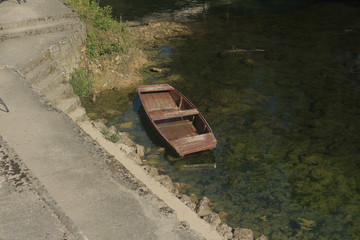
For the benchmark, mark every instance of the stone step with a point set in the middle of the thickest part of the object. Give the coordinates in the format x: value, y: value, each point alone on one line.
x: 60, y: 93
x: 36, y: 61
x: 25, y: 54
x: 69, y: 104
x: 50, y: 83
x: 41, y: 71
x: 78, y: 115
x: 39, y: 29
x: 37, y: 21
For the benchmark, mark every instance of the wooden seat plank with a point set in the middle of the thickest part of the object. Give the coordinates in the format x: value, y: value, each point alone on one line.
x: 172, y: 124
x: 178, y: 129
x: 160, y: 115
x: 155, y: 88
x: 193, y: 144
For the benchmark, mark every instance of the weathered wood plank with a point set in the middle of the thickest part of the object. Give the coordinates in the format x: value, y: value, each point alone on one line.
x: 164, y: 100
x: 178, y: 129
x: 155, y: 88
x: 149, y: 102
x: 160, y: 115
x: 193, y: 144
x: 167, y: 101
x: 157, y: 103
x: 172, y: 124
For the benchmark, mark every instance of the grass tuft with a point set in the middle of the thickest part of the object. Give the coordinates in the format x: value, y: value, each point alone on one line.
x: 101, y: 27
x: 81, y: 81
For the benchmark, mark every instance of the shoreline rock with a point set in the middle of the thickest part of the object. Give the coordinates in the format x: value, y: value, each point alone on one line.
x: 202, y: 207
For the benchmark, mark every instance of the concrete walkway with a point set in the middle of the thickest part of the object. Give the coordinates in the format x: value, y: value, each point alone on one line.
x: 84, y: 192
x: 74, y: 171
x: 27, y: 210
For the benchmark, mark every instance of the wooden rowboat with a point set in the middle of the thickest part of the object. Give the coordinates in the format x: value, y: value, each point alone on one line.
x: 176, y: 119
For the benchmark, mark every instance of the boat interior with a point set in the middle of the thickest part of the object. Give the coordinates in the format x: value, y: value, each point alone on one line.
x: 174, y: 115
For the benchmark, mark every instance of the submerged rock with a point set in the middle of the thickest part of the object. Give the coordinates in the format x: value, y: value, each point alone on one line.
x: 152, y: 162
x: 172, y: 158
x: 99, y: 124
x: 187, y: 200
x: 140, y: 150
x: 159, y: 70
x: 193, y: 198
x: 262, y: 237
x: 133, y: 156
x: 112, y: 130
x: 213, y: 219
x: 165, y: 180
x: 112, y: 112
x: 125, y: 148
x: 124, y: 138
x: 153, y: 157
x: 203, y: 208
x: 161, y: 150
x: 223, y: 215
x: 126, y: 125
x: 243, y: 234
x: 147, y: 150
x: 225, y: 231
x: 180, y: 186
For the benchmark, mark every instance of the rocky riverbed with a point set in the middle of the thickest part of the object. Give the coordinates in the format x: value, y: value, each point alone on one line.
x: 288, y: 117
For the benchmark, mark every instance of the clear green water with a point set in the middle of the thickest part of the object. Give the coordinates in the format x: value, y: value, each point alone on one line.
x: 286, y: 119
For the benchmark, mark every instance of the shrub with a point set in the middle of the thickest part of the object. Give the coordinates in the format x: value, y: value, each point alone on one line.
x: 81, y: 81
x: 113, y: 138
x: 101, y: 28
x: 103, y: 19
x: 92, y: 45
x: 97, y: 47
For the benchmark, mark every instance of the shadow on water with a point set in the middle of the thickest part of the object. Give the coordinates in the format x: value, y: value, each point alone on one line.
x: 286, y: 119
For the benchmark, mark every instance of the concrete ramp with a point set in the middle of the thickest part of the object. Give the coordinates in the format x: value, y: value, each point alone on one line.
x: 94, y: 191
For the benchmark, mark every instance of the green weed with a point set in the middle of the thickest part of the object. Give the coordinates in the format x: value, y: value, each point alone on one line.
x: 106, y: 36
x: 97, y: 47
x: 112, y: 138
x: 81, y: 81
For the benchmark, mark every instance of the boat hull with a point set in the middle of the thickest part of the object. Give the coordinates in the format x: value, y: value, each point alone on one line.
x: 176, y: 119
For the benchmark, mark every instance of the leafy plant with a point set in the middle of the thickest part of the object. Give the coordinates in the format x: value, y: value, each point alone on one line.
x: 106, y: 36
x: 97, y: 47
x: 81, y: 81
x: 112, y: 138
x: 105, y: 131
x: 103, y: 19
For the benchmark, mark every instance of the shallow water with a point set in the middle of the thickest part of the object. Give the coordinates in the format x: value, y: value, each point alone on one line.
x: 286, y: 118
